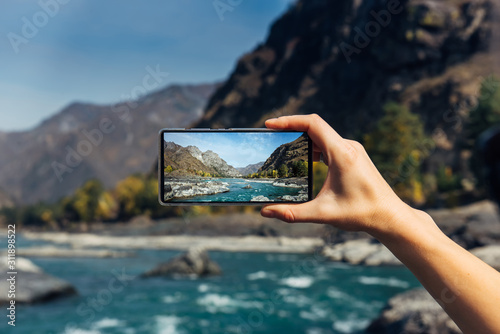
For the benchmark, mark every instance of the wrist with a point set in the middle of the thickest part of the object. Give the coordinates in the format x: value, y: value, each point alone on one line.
x: 403, y: 224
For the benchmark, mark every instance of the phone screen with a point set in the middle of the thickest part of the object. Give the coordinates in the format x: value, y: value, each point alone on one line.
x: 224, y: 167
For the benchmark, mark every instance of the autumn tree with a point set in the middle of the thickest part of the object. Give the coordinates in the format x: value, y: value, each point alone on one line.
x: 398, y: 145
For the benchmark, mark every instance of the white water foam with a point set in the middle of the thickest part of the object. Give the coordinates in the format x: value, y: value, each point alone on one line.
x: 168, y: 324
x: 350, y: 325
x: 80, y: 331
x: 172, y: 299
x: 300, y: 282
x: 215, y: 303
x: 258, y: 275
x: 203, y: 287
x: 108, y: 323
x: 391, y: 281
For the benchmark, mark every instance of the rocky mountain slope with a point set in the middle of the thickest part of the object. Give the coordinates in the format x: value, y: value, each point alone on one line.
x: 190, y: 160
x: 213, y: 160
x: 86, y: 141
x: 183, y: 159
x: 250, y: 169
x: 345, y: 59
x: 286, y: 155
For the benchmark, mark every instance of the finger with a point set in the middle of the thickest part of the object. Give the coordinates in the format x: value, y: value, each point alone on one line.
x: 316, y: 156
x: 292, y: 213
x: 318, y: 130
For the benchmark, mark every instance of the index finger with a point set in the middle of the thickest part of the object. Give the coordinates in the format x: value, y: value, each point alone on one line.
x: 321, y: 133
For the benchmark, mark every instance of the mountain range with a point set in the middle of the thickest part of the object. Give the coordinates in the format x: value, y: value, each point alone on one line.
x: 190, y: 160
x: 85, y: 141
x: 430, y: 56
x: 250, y: 169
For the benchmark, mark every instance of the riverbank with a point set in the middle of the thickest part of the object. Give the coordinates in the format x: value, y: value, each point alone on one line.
x: 180, y: 242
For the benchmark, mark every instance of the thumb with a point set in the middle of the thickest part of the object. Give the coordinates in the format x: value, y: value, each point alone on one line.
x: 292, y: 213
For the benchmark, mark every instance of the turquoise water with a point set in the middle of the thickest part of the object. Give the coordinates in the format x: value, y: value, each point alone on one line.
x: 258, y: 293
x: 238, y: 194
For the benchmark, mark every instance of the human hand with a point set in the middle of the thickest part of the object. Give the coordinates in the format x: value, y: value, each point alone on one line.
x: 354, y: 197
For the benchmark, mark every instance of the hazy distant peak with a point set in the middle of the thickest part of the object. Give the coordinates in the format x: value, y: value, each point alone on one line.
x: 75, y: 134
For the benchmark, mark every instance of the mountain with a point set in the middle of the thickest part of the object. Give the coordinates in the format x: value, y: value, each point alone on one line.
x: 190, y: 160
x: 5, y: 202
x: 213, y: 160
x: 86, y: 141
x: 287, y: 154
x: 250, y: 169
x: 182, y: 160
x: 321, y: 57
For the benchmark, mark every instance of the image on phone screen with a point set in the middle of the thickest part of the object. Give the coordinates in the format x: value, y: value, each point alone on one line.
x: 234, y: 167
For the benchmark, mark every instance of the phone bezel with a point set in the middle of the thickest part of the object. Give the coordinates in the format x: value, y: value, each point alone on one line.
x: 161, y: 175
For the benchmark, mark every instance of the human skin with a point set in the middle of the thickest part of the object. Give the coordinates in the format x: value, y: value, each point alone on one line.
x: 355, y: 197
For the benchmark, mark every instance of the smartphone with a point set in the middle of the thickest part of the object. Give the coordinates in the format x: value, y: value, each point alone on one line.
x: 234, y: 167
x: 489, y: 147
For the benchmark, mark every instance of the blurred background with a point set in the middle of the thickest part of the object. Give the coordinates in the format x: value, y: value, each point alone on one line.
x: 86, y: 87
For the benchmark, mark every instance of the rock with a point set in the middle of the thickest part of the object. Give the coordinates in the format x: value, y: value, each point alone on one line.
x: 32, y: 284
x: 265, y: 230
x: 298, y: 198
x: 489, y: 254
x: 413, y: 312
x: 294, y: 182
x: 247, y: 187
x: 382, y: 257
x: 195, y: 262
x: 470, y: 226
x: 187, y: 188
x: 361, y: 252
x: 260, y: 198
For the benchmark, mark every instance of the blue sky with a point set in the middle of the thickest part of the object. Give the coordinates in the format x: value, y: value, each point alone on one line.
x: 237, y: 149
x: 98, y: 51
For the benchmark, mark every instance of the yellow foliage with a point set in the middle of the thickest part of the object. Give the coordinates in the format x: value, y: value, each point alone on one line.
x: 47, y: 216
x: 320, y: 171
x: 448, y: 172
x: 106, y: 207
x: 200, y: 210
x: 418, y: 193
x: 127, y: 190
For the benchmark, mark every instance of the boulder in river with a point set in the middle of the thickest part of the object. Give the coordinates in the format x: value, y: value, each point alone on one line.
x: 413, y: 312
x: 361, y: 252
x: 194, y: 262
x: 260, y: 198
x: 32, y: 285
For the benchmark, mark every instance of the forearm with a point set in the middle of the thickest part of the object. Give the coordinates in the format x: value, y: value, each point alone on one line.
x: 467, y: 288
